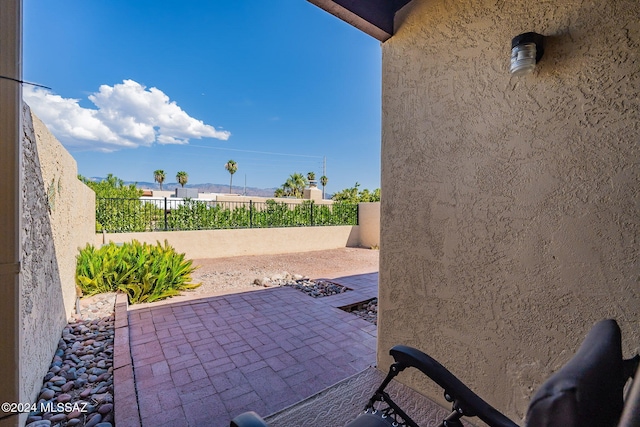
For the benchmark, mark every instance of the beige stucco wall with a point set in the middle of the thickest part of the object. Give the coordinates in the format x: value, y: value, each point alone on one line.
x: 58, y: 218
x: 70, y: 204
x: 369, y: 222
x: 510, y: 218
x: 253, y: 241
x: 313, y: 193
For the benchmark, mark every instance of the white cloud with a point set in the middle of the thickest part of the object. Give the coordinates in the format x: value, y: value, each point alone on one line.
x: 127, y: 115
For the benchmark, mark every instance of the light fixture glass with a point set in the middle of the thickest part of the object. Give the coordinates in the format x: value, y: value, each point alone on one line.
x: 526, y: 51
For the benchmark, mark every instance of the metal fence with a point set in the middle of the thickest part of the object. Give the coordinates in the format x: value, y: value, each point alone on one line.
x: 164, y: 214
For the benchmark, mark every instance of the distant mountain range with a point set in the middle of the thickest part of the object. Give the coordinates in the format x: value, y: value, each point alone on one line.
x: 202, y: 188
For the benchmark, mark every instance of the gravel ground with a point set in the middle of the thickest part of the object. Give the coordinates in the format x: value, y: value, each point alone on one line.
x: 228, y: 275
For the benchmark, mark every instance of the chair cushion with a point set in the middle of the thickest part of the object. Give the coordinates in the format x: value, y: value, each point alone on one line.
x: 588, y: 390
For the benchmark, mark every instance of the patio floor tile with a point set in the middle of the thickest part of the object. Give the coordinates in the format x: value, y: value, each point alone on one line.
x: 207, y: 360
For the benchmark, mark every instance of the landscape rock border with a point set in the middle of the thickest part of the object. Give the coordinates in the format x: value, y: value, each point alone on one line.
x: 280, y: 279
x: 314, y: 288
x: 318, y: 288
x: 368, y: 310
x: 78, y: 389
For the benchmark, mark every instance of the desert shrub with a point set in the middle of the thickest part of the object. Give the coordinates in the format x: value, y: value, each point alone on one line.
x: 146, y: 273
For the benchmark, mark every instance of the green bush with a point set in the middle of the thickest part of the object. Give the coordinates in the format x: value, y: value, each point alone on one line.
x: 355, y: 195
x: 147, y: 273
x: 131, y: 215
x: 119, y: 208
x: 127, y: 215
x: 198, y: 215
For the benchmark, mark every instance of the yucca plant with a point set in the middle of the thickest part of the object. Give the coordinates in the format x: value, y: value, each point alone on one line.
x: 146, y: 273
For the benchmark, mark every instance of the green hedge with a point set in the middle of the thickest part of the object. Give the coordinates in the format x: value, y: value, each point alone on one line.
x: 129, y: 215
x: 197, y: 215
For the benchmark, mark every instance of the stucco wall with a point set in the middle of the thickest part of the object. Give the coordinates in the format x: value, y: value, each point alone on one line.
x: 253, y: 241
x: 369, y: 222
x: 510, y: 211
x: 58, y: 218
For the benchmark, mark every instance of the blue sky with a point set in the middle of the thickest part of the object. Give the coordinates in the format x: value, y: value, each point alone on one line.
x: 140, y: 85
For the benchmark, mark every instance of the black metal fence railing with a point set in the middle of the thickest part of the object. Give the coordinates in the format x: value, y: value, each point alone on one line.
x: 164, y: 214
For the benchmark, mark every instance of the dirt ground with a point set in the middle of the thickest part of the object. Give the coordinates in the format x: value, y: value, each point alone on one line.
x: 227, y: 275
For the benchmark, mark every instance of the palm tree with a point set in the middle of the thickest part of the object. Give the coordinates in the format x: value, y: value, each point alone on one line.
x: 311, y: 177
x: 296, y: 184
x: 182, y: 177
x: 292, y: 187
x: 232, y: 167
x: 287, y: 190
x: 323, y: 182
x: 158, y: 176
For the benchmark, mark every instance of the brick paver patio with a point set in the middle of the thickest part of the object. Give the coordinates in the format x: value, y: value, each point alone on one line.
x: 202, y: 362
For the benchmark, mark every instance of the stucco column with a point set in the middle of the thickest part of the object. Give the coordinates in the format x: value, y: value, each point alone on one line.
x: 10, y: 209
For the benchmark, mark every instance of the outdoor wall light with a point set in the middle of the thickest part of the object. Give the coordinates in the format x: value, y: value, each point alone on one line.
x: 526, y: 51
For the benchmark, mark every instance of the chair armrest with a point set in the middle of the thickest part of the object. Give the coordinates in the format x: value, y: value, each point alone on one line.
x: 465, y: 400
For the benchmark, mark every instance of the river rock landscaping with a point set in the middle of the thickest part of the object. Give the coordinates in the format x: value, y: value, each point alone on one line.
x: 314, y: 288
x: 368, y: 310
x: 78, y: 389
x: 318, y: 288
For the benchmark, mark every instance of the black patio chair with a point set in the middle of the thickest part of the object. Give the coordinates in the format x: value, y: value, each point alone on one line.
x: 586, y: 392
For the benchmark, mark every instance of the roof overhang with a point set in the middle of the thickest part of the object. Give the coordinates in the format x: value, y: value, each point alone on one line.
x: 374, y: 17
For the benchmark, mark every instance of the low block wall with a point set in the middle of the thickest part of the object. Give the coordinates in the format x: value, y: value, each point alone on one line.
x: 369, y: 220
x: 253, y: 241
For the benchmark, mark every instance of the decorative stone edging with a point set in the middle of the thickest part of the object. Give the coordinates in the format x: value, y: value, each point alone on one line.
x: 78, y: 388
